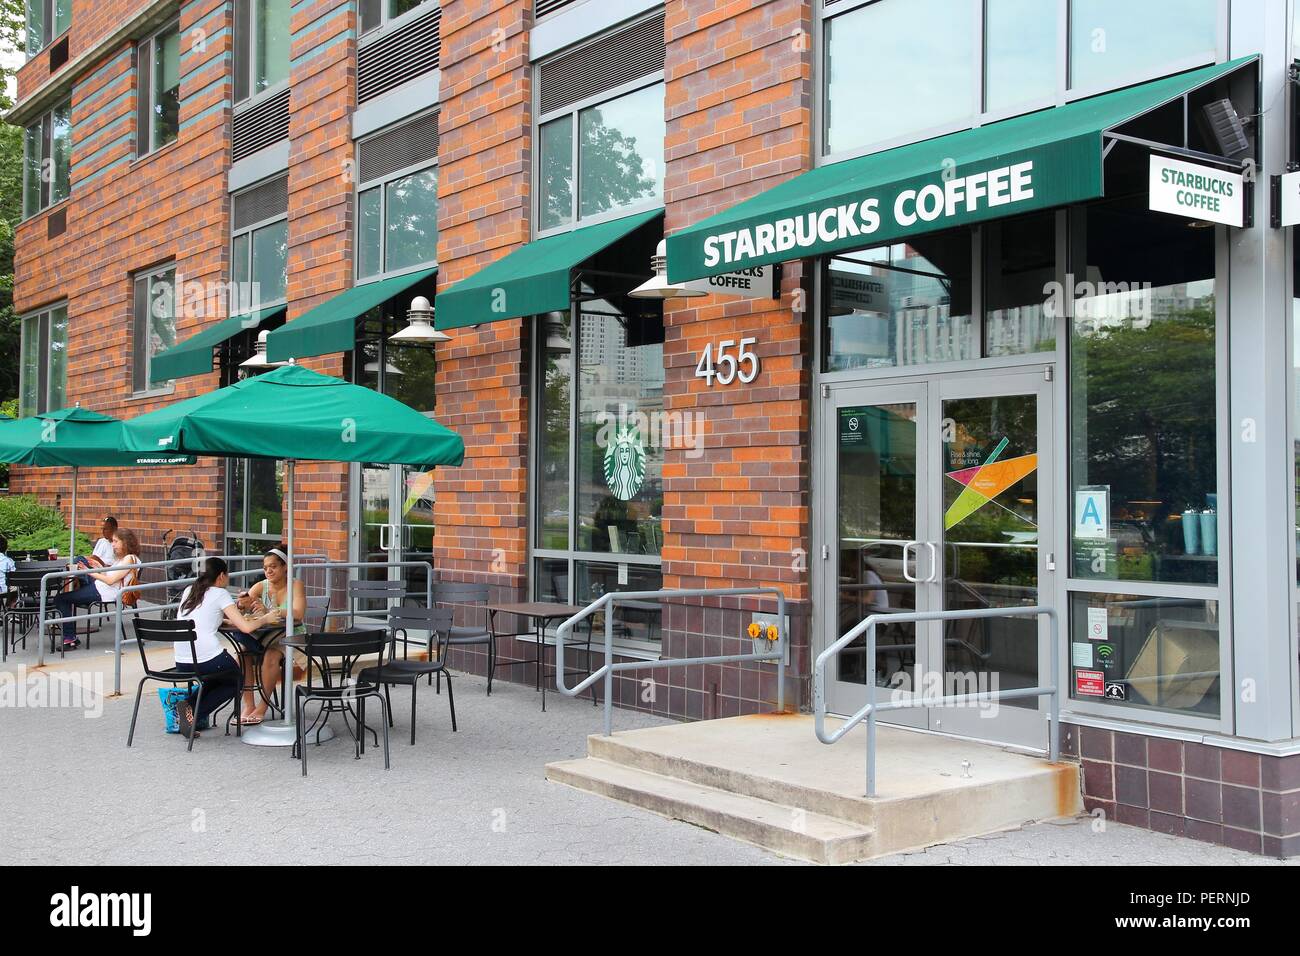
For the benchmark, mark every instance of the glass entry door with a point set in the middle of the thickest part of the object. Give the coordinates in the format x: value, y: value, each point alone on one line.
x: 940, y: 489
x: 397, y: 523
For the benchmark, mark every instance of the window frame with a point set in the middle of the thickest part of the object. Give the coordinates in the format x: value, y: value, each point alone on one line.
x: 978, y: 116
x: 42, y: 317
x: 649, y: 650
x: 245, y: 15
x: 141, y: 386
x: 146, y: 94
x: 389, y: 22
x: 45, y: 200
x: 235, y: 308
x: 574, y: 112
x: 49, y: 8
x: 381, y: 183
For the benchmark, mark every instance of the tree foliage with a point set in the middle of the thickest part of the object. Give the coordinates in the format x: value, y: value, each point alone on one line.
x: 12, y: 44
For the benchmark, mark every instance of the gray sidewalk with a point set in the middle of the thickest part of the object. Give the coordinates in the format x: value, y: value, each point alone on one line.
x: 74, y: 794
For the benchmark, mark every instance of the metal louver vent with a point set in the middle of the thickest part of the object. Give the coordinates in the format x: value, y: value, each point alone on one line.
x: 262, y: 126
x: 414, y: 142
x: 542, y: 7
x: 628, y: 54
x: 399, y: 55
x: 264, y: 201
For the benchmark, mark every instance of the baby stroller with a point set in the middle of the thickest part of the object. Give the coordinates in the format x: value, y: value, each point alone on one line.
x: 177, y: 549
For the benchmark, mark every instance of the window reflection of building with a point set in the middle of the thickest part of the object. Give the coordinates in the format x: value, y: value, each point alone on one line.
x: 599, y: 469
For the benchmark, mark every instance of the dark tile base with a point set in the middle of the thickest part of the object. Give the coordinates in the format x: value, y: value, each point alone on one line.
x: 686, y: 693
x: 1227, y: 797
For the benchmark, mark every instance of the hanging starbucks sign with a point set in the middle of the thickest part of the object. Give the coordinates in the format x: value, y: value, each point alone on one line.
x: 1195, y: 191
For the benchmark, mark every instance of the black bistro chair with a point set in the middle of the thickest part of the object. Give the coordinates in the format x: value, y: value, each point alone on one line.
x: 20, y: 619
x: 402, y: 620
x: 475, y: 631
x: 337, y: 655
x: 170, y: 632
x: 383, y: 593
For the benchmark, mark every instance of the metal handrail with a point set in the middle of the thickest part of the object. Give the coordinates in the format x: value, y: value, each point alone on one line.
x: 46, y: 579
x: 607, y: 670
x: 121, y: 609
x: 869, y: 711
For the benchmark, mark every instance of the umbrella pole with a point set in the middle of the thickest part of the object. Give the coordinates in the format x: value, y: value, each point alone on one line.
x: 72, y: 535
x: 284, y: 733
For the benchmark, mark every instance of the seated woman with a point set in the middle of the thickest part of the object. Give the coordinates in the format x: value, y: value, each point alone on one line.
x: 104, y: 585
x: 209, y: 605
x: 269, y: 596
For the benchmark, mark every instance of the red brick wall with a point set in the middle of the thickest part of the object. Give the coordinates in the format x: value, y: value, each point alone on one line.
x: 483, y: 195
x: 90, y: 22
x: 321, y: 227
x: 739, y: 105
x: 171, y: 204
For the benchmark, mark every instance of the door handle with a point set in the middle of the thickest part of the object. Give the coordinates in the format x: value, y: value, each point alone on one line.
x: 910, y: 578
x: 383, y: 541
x: 934, y: 563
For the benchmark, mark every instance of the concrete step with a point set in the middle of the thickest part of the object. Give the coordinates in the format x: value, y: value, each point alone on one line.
x: 783, y: 829
x: 931, y: 788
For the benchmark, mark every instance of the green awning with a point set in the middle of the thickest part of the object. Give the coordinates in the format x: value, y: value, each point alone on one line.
x: 194, y: 355
x: 1041, y: 160
x: 331, y: 326
x: 534, y: 278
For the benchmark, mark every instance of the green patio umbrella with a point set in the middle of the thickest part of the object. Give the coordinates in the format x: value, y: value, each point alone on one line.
x: 75, y: 437
x: 293, y: 413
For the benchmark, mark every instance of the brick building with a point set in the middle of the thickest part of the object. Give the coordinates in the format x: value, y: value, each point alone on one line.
x: 999, y: 363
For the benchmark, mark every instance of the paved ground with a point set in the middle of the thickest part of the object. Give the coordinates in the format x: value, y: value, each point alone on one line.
x: 75, y: 794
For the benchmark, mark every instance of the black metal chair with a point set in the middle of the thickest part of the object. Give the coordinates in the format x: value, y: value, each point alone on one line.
x: 25, y: 614
x: 385, y: 592
x: 452, y: 593
x: 170, y: 632
x: 401, y: 620
x: 338, y: 692
x: 317, y: 614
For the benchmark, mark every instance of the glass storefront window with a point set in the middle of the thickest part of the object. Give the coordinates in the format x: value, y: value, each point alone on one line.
x: 620, y: 389
x: 1143, y: 399
x: 555, y: 348
x: 1020, y: 256
x: 254, y: 504
x: 901, y: 304
x: 411, y: 220
x: 1145, y: 652
x: 369, y: 224
x: 270, y: 263
x: 397, y: 223
x: 874, y: 91
x: 619, y: 157
x: 620, y: 153
x: 1113, y: 42
x: 555, y: 206
x: 633, y: 621
x: 1020, y: 59
x: 599, y: 469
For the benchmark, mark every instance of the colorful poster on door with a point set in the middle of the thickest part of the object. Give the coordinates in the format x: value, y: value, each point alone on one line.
x: 985, y: 482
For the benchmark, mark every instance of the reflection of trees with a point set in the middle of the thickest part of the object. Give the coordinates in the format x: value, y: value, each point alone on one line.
x: 412, y: 213
x: 613, y: 172
x: 1150, y: 401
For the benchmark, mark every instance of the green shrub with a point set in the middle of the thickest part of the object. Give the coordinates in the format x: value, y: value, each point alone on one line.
x: 23, y: 514
x: 45, y: 538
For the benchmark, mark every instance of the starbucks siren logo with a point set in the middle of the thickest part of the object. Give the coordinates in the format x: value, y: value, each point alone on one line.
x: 625, y: 462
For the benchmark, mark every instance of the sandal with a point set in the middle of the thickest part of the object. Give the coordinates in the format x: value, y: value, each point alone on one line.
x: 251, y: 720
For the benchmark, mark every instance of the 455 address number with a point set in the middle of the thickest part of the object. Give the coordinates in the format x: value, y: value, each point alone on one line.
x: 719, y: 365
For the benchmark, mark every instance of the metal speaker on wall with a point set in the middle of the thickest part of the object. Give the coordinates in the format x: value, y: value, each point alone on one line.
x: 1226, y: 128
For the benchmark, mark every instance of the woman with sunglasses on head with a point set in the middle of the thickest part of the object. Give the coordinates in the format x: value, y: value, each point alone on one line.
x: 269, y: 597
